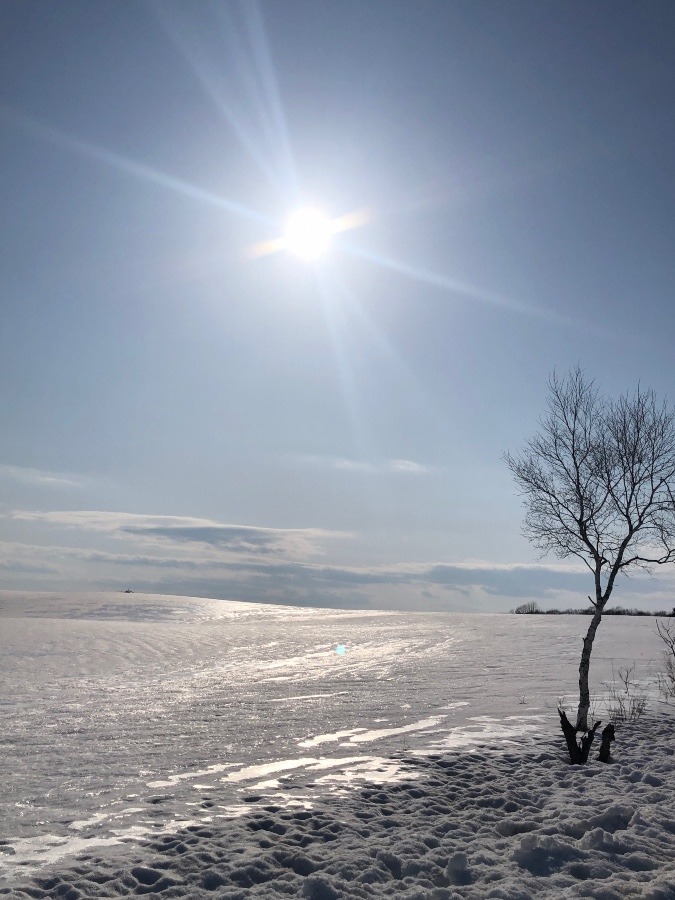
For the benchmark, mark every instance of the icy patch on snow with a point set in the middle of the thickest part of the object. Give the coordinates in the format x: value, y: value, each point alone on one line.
x: 185, y: 776
x: 249, y: 773
x: 379, y: 733
x: 363, y: 735
x: 327, y: 738
x: 490, y: 731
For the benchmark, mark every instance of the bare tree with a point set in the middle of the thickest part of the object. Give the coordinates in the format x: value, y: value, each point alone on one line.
x: 527, y: 609
x: 598, y: 482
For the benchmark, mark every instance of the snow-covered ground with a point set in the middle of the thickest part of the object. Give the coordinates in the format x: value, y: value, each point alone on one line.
x: 197, y: 748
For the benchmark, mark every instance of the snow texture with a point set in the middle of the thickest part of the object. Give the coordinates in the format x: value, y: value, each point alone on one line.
x: 189, y: 748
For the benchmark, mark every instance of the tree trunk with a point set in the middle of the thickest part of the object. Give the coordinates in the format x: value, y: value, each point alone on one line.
x: 584, y: 666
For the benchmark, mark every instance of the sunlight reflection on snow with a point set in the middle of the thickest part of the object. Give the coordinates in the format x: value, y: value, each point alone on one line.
x: 488, y: 730
x: 174, y: 779
x: 362, y: 735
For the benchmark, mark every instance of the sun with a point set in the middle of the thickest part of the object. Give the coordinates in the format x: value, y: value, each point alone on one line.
x: 308, y: 233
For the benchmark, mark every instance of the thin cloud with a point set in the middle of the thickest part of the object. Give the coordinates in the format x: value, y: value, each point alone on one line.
x: 22, y: 568
x: 350, y: 465
x: 366, y: 467
x: 102, y: 520
x: 38, y: 477
x: 407, y: 467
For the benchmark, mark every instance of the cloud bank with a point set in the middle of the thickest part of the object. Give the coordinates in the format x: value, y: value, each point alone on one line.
x: 186, y: 530
x: 201, y: 557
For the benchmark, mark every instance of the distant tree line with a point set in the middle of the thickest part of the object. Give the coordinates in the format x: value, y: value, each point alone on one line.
x: 531, y: 608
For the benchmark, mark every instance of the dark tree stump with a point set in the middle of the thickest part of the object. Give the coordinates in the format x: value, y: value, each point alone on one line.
x: 578, y: 751
x: 605, y: 746
x: 586, y: 742
x: 570, y: 736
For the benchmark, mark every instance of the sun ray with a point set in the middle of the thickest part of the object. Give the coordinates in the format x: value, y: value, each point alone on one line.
x: 215, y: 83
x: 387, y: 350
x: 461, y: 289
x: 130, y: 166
x: 262, y: 52
x: 330, y: 303
x: 246, y: 49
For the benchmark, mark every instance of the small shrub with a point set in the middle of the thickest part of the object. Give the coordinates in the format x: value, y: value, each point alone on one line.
x: 626, y: 707
x: 626, y: 703
x: 666, y: 680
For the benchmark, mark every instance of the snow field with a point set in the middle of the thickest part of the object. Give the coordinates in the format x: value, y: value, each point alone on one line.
x: 190, y: 748
x: 511, y: 825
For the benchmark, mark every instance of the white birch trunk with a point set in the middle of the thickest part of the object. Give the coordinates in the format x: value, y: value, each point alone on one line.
x: 584, y: 667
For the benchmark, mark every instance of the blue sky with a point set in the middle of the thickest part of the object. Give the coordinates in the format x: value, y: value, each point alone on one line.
x: 182, y: 415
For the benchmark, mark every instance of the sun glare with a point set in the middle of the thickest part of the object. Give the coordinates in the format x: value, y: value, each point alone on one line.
x: 308, y: 233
